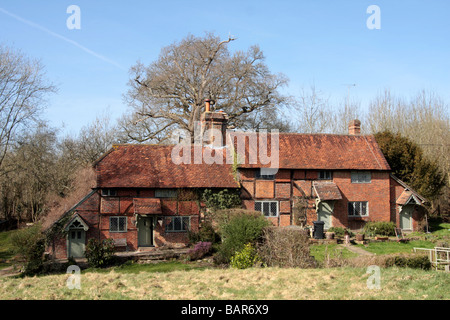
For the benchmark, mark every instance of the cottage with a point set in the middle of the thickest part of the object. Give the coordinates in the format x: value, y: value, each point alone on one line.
x: 145, y: 198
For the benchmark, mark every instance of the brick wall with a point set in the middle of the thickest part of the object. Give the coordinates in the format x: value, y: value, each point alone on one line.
x: 396, y: 189
x: 376, y: 193
x: 96, y: 212
x: 289, y: 184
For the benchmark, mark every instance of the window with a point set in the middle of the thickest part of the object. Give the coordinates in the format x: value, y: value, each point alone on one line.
x: 361, y: 176
x: 325, y: 175
x: 118, y: 224
x: 165, y: 193
x: 109, y: 192
x: 267, y: 208
x: 178, y: 224
x: 358, y: 209
x: 264, y: 174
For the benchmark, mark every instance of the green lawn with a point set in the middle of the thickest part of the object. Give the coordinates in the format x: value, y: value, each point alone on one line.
x: 6, y: 250
x: 390, y: 247
x: 320, y: 251
x: 439, y: 228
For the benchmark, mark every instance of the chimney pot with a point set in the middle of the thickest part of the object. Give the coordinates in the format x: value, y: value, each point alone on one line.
x: 207, y: 105
x: 354, y: 127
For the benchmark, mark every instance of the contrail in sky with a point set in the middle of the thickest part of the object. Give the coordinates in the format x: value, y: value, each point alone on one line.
x: 56, y: 35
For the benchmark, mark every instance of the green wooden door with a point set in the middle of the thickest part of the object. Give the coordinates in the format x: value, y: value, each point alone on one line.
x: 145, y: 231
x: 324, y: 212
x: 77, y: 243
x: 406, y: 217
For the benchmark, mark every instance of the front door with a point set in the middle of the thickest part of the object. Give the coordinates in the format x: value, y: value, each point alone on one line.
x: 406, y: 217
x: 324, y: 213
x: 145, y: 231
x: 77, y: 238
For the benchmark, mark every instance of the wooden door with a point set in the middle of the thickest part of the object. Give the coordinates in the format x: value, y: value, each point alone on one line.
x: 77, y: 243
x: 145, y: 231
x: 406, y: 217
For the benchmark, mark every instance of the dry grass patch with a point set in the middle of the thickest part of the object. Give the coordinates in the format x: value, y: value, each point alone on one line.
x: 252, y: 284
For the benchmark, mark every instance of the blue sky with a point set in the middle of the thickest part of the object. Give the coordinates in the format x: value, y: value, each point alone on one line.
x: 322, y: 42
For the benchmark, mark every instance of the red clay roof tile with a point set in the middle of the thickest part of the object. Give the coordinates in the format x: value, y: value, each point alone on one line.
x: 151, y: 166
x: 319, y: 151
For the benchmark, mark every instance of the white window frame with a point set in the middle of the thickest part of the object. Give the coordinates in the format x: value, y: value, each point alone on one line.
x: 118, y: 224
x: 165, y: 193
x: 188, y: 226
x: 360, y: 204
x: 264, y: 174
x: 361, y: 176
x: 327, y: 173
x: 262, y: 207
x: 109, y: 193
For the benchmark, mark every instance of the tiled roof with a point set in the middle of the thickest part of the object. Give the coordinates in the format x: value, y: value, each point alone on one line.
x: 407, y: 193
x: 145, y: 166
x: 326, y: 190
x: 318, y: 151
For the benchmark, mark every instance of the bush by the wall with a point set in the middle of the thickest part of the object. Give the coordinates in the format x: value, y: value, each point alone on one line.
x: 381, y: 228
x: 285, y: 247
x: 415, y: 262
x: 239, y: 230
x: 206, y: 233
x: 221, y: 200
x: 246, y: 258
x: 340, y: 231
x: 100, y: 254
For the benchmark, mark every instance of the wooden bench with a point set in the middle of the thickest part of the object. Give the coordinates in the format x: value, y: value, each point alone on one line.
x: 120, y: 243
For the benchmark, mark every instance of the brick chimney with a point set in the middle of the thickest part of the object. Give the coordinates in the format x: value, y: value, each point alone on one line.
x: 213, y: 126
x: 354, y: 127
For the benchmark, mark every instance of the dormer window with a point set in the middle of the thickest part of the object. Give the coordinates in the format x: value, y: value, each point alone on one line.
x: 109, y: 193
x: 361, y: 177
x: 264, y: 174
x: 325, y: 175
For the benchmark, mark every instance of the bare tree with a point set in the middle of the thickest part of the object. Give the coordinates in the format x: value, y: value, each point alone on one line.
x: 22, y: 91
x: 96, y: 138
x: 347, y: 110
x: 171, y: 91
x: 424, y: 119
x: 313, y: 111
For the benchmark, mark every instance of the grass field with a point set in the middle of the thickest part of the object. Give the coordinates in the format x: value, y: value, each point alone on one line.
x: 251, y: 284
x: 390, y: 247
x: 321, y: 251
x: 6, y: 251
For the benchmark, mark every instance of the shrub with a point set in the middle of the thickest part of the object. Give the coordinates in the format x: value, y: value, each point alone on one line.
x: 100, y: 254
x: 243, y: 227
x: 246, y: 258
x: 29, y: 244
x: 340, y: 231
x: 381, y: 228
x: 221, y: 218
x: 206, y: 233
x: 285, y: 247
x: 221, y: 200
x: 200, y: 250
x: 415, y: 262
